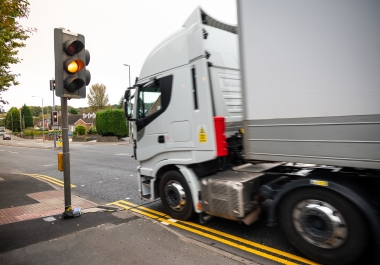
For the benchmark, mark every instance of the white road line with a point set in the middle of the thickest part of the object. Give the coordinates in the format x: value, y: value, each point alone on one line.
x: 13, y: 152
x: 49, y: 165
x: 123, y: 154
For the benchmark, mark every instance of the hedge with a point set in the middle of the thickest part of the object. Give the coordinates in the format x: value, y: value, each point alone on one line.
x: 111, y: 123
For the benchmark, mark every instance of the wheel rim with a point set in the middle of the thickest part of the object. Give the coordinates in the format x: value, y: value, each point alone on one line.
x: 175, y: 195
x: 320, y: 223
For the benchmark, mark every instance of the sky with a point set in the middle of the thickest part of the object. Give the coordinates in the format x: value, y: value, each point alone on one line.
x: 117, y: 32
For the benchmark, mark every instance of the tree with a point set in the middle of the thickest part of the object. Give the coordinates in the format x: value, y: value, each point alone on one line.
x: 28, y: 118
x: 12, y: 121
x: 12, y: 35
x: 72, y: 110
x: 121, y: 102
x: 36, y: 110
x: 97, y: 97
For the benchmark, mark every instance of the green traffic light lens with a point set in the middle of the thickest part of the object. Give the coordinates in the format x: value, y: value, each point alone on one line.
x: 74, y: 84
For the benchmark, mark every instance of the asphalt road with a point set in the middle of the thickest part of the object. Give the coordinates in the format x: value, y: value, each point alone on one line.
x: 107, y: 174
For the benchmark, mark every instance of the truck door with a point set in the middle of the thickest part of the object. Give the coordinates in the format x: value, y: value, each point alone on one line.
x: 152, y: 100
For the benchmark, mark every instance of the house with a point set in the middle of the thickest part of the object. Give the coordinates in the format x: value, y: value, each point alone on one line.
x: 87, y: 120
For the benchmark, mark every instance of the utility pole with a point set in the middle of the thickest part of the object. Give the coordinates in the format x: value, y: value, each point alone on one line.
x: 129, y: 125
x: 20, y: 124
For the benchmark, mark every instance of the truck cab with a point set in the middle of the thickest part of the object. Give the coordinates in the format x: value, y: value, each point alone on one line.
x: 174, y: 120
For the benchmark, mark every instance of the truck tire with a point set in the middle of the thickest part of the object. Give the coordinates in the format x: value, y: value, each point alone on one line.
x: 176, y: 196
x: 324, y: 225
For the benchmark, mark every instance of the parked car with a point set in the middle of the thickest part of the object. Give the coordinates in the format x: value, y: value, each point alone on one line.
x: 6, y: 137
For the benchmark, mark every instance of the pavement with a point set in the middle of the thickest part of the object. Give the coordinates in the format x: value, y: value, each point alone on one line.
x: 49, y: 144
x: 32, y: 230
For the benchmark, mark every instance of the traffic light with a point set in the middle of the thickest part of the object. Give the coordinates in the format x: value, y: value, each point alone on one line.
x: 52, y: 85
x: 54, y: 117
x: 71, y: 59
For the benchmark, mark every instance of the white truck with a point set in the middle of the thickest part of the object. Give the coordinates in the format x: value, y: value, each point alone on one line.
x: 285, y: 106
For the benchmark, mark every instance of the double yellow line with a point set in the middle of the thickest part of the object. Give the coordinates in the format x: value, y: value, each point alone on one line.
x: 50, y: 179
x: 225, y: 238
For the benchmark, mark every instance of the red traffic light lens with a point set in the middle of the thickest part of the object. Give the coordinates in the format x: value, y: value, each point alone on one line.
x: 73, y: 47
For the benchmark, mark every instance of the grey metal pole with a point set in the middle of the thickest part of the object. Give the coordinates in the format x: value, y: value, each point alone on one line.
x: 55, y: 141
x: 129, y: 79
x: 66, y: 155
x: 43, y: 121
x: 129, y: 127
x: 20, y: 124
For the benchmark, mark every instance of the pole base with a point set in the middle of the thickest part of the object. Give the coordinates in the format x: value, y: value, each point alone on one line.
x: 70, y: 213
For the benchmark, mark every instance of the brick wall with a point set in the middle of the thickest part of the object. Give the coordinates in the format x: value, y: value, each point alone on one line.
x: 80, y: 122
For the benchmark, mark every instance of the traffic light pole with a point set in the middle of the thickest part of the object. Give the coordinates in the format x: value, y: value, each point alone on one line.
x: 66, y: 156
x: 55, y: 140
x: 71, y: 79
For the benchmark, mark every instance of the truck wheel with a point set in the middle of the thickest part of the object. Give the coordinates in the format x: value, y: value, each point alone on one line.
x: 324, y: 225
x: 175, y: 196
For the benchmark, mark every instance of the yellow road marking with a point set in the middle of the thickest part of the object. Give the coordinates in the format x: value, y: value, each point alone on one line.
x: 134, y: 207
x: 50, y: 179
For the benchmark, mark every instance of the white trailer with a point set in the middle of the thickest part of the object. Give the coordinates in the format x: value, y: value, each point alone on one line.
x: 283, y: 107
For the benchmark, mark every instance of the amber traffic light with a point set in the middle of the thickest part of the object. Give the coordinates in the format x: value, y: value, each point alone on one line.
x: 71, y: 59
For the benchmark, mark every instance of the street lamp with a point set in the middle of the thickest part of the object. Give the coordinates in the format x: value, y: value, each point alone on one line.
x: 43, y: 128
x: 129, y: 74
x: 129, y: 79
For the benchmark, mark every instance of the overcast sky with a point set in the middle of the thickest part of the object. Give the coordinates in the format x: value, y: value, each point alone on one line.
x: 117, y: 32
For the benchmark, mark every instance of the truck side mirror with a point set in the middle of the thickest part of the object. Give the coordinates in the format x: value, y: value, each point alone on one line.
x: 127, y: 95
x: 128, y: 111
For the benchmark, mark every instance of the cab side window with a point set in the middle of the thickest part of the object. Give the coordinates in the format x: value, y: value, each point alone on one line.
x: 149, y: 100
x: 153, y: 99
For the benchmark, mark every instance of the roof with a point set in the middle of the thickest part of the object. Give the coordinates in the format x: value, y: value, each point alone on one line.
x: 74, y: 118
x: 187, y: 45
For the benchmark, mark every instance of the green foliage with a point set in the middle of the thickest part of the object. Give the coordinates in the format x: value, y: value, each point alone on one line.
x: 92, y: 130
x: 28, y: 132
x: 121, y: 102
x: 73, y: 110
x: 80, y: 130
x: 36, y: 110
x: 13, y: 119
x: 111, y: 123
x: 27, y: 116
x: 12, y: 37
x: 57, y: 132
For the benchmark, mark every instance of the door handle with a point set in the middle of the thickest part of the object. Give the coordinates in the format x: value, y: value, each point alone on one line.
x: 161, y: 139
